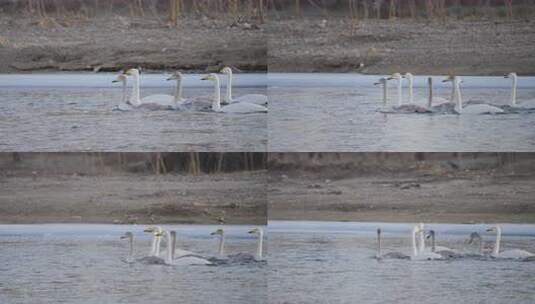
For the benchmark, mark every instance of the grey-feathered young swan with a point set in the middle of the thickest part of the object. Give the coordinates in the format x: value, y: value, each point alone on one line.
x: 238, y: 107
x: 445, y: 252
x: 223, y: 258
x: 189, y: 259
x: 258, y: 99
x: 124, y: 104
x: 391, y: 255
x: 145, y: 260
x: 405, y: 108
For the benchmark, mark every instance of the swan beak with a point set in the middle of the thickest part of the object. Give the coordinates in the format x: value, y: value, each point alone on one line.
x: 207, y: 77
x: 114, y: 81
x: 213, y: 233
x: 505, y: 76
x: 170, y: 78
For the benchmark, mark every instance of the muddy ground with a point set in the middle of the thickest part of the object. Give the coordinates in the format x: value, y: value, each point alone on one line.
x: 466, y: 196
x: 281, y: 44
x: 235, y: 198
x: 111, y: 42
x: 387, y: 46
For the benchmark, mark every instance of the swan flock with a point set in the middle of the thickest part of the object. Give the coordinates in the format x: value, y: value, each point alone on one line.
x: 177, y: 256
x: 452, y: 105
x: 245, y: 104
x: 419, y: 251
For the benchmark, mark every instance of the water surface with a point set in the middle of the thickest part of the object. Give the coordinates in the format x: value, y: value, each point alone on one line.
x: 331, y: 262
x: 82, y: 264
x: 73, y: 112
x: 339, y: 112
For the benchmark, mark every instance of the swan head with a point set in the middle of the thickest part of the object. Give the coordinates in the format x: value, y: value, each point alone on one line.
x: 226, y: 71
x: 381, y: 81
x: 176, y: 76
x: 131, y: 72
x: 119, y: 78
x: 154, y: 229
x: 408, y: 76
x: 396, y: 76
x: 511, y: 75
x: 256, y: 231
x: 473, y: 237
x: 379, y: 231
x: 430, y: 234
x: 494, y: 229
x: 218, y: 232
x: 211, y: 77
x: 453, y: 78
x: 127, y: 235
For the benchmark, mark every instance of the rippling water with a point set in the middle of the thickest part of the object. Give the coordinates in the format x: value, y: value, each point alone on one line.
x: 338, y: 112
x: 73, y: 112
x: 82, y: 264
x: 312, y: 262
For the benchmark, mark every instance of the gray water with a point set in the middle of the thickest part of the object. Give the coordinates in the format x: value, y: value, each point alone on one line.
x: 82, y: 264
x: 339, y: 112
x: 330, y: 262
x: 73, y: 112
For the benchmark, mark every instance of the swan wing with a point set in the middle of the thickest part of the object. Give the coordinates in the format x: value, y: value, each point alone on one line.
x: 411, y: 108
x: 243, y: 108
x: 258, y: 99
x: 159, y: 99
x: 515, y: 254
x: 481, y: 109
x: 151, y: 260
x: 191, y: 260
x: 395, y: 255
x: 122, y: 107
x: 528, y: 104
x: 179, y: 253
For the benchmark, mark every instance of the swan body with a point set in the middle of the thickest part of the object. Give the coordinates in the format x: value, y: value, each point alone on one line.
x: 232, y: 258
x: 445, y: 252
x: 507, y: 254
x: 124, y: 105
x: 258, y: 99
x: 144, y: 260
x: 191, y: 259
x: 151, y: 102
x: 410, y: 107
x: 259, y: 245
x: 239, y: 107
x: 469, y: 109
x: 177, y: 252
x: 417, y: 253
x: 525, y: 105
x: 389, y: 255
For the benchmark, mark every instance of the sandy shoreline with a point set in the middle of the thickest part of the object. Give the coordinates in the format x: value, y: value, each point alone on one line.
x: 237, y: 198
x: 465, y: 197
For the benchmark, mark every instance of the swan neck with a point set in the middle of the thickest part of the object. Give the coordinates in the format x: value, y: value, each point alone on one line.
x: 228, y: 97
x: 178, y: 91
x: 378, y: 245
x: 123, y: 98
x: 221, y: 250
x: 414, y: 248
x: 131, y: 250
x: 158, y: 243
x: 430, y: 99
x: 259, y: 246
x: 498, y: 240
x: 153, y: 246
x: 135, y: 90
x: 421, y: 240
x: 216, y: 104
x: 513, y: 92
x: 385, y: 94
x: 399, y: 92
x: 458, y: 96
x: 433, y: 248
x: 411, y: 97
x: 173, y: 245
x: 169, y: 251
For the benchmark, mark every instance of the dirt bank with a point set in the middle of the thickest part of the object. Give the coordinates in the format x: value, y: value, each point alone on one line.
x: 316, y: 44
x: 111, y: 42
x: 236, y: 198
x: 462, y: 196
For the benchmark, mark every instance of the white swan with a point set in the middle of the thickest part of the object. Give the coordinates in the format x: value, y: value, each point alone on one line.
x: 130, y: 257
x: 418, y: 255
x: 527, y: 104
x: 156, y: 239
x: 124, y: 105
x: 258, y: 99
x: 152, y: 102
x: 390, y: 255
x: 177, y: 252
x: 405, y: 108
x: 182, y: 260
x: 260, y: 240
x: 239, y: 107
x: 473, y: 108
x: 506, y: 254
